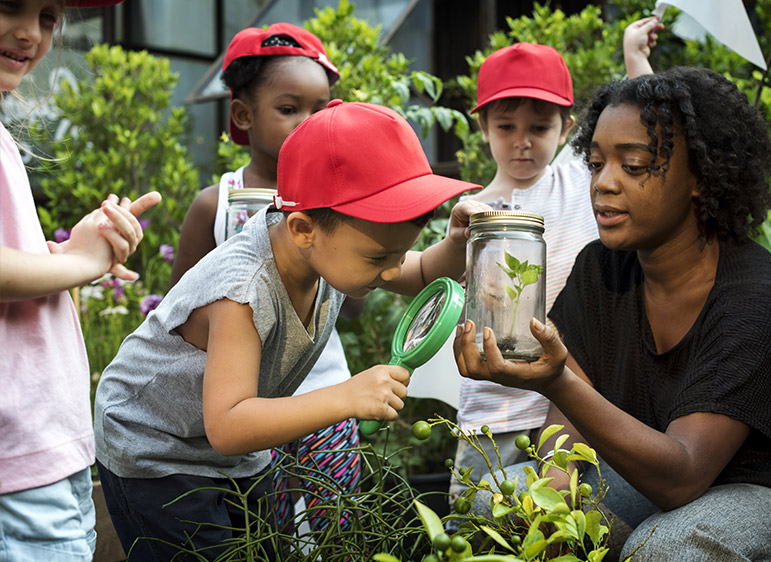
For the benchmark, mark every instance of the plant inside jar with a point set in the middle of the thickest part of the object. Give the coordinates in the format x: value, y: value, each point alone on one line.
x: 521, y: 275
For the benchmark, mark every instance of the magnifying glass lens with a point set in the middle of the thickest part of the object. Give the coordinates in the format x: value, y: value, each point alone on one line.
x: 423, y: 321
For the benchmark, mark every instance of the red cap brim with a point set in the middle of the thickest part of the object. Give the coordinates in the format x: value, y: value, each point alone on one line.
x: 533, y: 93
x: 407, y: 200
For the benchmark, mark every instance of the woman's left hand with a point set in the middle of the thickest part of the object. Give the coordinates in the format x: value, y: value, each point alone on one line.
x: 536, y: 375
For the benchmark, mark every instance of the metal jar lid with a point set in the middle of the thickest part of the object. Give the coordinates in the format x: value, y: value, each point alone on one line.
x: 259, y: 195
x: 507, y: 219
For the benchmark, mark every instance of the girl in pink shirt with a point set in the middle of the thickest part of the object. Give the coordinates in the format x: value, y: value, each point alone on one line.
x: 46, y: 446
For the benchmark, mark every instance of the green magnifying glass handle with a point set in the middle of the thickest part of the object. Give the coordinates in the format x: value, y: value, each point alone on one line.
x: 368, y: 427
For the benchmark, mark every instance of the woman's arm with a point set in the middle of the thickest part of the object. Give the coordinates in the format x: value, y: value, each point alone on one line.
x: 670, y: 468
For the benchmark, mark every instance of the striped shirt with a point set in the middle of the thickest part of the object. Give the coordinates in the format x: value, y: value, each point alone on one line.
x: 561, y: 196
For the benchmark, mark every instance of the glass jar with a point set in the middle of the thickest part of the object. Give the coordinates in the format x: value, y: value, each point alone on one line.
x: 242, y: 204
x: 506, y: 279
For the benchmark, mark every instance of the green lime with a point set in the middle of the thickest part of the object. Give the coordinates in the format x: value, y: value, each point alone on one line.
x: 560, y: 508
x: 421, y: 430
x: 522, y: 441
x: 449, y: 463
x: 458, y: 544
x: 431, y: 558
x: 462, y: 505
x: 441, y: 542
x: 585, y: 489
x: 508, y: 487
x: 485, y: 429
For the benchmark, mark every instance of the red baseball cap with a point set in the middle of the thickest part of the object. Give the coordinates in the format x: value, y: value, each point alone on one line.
x: 251, y: 42
x: 91, y: 3
x: 362, y: 160
x: 524, y: 70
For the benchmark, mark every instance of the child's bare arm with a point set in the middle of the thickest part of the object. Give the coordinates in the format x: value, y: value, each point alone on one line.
x: 99, y: 243
x: 639, y: 38
x: 238, y: 422
x: 446, y: 258
x: 196, y: 238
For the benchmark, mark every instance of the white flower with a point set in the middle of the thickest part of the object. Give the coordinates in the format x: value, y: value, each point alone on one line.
x: 95, y: 292
x: 111, y: 310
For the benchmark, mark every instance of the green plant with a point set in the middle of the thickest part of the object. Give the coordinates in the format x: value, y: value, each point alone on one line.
x: 120, y: 136
x: 380, y: 517
x: 539, y: 524
x: 521, y: 275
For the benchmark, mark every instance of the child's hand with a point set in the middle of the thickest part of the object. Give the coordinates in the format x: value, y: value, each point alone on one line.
x: 123, y: 230
x: 537, y: 375
x: 85, y: 244
x: 458, y: 233
x: 639, y: 38
x: 107, y: 236
x: 378, y: 393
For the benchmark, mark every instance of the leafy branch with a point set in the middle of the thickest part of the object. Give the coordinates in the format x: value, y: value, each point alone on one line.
x: 521, y: 275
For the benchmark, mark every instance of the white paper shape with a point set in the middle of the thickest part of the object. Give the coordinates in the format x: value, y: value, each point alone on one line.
x: 726, y: 20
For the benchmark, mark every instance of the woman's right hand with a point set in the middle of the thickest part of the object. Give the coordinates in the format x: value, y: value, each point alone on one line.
x: 536, y: 375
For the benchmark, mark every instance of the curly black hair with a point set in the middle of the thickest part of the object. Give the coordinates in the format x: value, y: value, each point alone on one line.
x: 729, y: 149
x: 244, y: 74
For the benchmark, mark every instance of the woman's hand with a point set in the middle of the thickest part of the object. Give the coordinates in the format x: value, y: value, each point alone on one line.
x: 536, y: 375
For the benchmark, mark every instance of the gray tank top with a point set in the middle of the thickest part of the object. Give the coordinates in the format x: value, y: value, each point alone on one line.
x: 148, y: 413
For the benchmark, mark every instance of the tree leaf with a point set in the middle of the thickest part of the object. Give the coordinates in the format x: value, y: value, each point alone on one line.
x: 547, y: 433
x: 431, y: 521
x: 496, y: 536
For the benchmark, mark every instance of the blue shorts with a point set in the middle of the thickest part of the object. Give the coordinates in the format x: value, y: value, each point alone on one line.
x: 52, y: 523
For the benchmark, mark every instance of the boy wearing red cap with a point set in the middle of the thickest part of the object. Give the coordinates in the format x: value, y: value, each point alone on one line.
x: 278, y: 77
x: 525, y: 98
x: 204, y: 386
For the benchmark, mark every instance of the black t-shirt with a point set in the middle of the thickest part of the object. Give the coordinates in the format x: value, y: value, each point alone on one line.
x: 722, y: 365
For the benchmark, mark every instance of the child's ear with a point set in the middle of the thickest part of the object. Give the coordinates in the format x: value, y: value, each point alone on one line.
x: 241, y: 114
x: 483, y: 127
x: 566, y: 129
x: 302, y: 229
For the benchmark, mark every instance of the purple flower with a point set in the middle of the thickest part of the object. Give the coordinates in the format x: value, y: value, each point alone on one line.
x: 144, y: 223
x: 117, y: 285
x: 62, y: 234
x: 150, y: 302
x: 167, y: 253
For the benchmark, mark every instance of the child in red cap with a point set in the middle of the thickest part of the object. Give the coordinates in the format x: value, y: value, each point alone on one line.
x: 47, y: 441
x: 203, y: 388
x: 278, y: 77
x: 524, y: 103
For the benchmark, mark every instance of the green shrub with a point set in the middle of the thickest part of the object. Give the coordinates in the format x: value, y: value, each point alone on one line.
x: 121, y: 137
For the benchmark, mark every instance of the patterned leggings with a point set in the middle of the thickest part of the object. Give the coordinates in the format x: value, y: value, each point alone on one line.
x: 330, y: 466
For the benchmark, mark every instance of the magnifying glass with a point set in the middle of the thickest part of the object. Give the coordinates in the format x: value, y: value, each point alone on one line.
x: 426, y: 324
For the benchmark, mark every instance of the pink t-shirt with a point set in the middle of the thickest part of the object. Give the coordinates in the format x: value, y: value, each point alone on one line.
x: 45, y: 413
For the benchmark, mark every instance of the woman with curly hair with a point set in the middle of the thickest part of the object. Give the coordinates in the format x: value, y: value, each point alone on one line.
x: 665, y: 367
